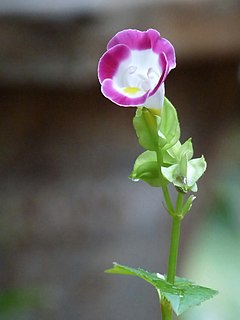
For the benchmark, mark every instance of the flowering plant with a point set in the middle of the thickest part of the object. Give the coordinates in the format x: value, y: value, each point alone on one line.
x: 132, y: 73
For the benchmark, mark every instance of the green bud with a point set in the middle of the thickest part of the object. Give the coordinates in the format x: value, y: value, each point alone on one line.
x: 185, y: 174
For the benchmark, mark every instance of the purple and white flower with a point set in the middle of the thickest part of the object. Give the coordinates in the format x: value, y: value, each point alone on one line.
x: 133, y: 69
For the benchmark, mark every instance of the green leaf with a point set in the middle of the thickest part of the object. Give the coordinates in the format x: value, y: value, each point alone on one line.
x: 169, y: 129
x: 146, y: 125
x: 182, y: 295
x: 152, y: 278
x: 146, y: 168
x: 191, y: 295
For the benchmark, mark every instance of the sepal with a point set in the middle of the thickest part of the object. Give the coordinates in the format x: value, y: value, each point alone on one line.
x: 157, y: 131
x: 146, y: 168
x: 169, y: 129
x: 146, y: 125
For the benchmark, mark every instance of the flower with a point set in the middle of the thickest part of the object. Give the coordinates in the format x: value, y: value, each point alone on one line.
x: 133, y: 69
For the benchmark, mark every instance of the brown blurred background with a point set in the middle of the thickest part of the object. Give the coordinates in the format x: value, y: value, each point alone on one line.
x: 67, y: 207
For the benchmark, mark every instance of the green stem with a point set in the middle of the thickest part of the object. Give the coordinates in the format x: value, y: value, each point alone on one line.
x: 172, y: 261
x: 166, y: 309
x: 167, y: 199
x: 175, y: 236
x: 173, y: 254
x: 179, y: 203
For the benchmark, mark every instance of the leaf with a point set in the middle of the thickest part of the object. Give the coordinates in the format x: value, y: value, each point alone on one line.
x: 152, y: 278
x: 146, y: 125
x: 146, y: 168
x: 182, y: 295
x: 191, y: 295
x: 169, y: 129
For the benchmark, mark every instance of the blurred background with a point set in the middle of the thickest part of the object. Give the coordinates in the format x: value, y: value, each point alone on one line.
x: 67, y: 208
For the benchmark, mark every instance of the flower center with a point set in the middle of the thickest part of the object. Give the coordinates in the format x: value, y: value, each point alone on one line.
x: 136, y: 80
x: 131, y: 90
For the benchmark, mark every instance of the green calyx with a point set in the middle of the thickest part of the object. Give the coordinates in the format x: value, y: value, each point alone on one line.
x: 166, y: 159
x: 157, y: 131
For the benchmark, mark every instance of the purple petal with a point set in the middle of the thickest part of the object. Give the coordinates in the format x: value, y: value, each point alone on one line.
x: 159, y: 45
x: 165, y: 46
x: 110, y: 61
x: 134, y: 39
x: 117, y: 97
x: 142, y: 40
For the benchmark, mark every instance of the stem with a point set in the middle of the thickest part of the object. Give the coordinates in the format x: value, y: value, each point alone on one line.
x: 179, y: 203
x: 167, y: 199
x: 173, y: 254
x: 172, y: 261
x: 166, y: 309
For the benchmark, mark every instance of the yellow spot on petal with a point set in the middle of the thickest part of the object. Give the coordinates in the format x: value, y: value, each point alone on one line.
x: 131, y: 90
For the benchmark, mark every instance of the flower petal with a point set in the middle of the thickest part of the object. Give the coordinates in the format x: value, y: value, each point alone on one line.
x: 156, y: 101
x: 133, y: 70
x: 111, y: 60
x: 142, y: 40
x: 165, y: 69
x: 119, y: 98
x: 134, y: 39
x: 160, y: 44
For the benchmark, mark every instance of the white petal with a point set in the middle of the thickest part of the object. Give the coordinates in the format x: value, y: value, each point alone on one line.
x: 141, y: 67
x: 156, y: 101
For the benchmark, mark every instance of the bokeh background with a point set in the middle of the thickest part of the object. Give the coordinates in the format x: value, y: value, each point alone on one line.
x: 67, y: 208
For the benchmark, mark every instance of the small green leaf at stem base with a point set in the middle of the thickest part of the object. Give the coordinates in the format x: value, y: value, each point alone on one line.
x: 182, y: 295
